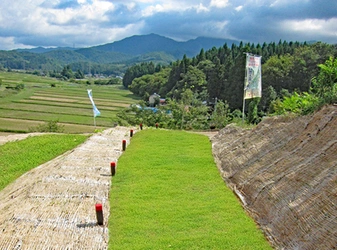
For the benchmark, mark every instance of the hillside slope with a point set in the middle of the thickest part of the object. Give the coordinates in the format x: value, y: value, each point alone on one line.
x: 285, y: 173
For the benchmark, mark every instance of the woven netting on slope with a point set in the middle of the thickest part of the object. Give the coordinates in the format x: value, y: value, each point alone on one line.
x: 285, y: 172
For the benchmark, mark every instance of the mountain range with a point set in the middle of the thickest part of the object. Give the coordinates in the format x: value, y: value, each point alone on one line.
x: 143, y: 44
x: 134, y: 49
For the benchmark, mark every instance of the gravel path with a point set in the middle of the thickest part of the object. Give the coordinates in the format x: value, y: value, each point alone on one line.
x: 53, y: 206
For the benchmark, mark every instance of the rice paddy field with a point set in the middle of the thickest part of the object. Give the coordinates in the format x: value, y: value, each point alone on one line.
x: 68, y: 103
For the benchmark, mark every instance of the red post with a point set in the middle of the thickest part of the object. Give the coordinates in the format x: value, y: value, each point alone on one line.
x: 113, y: 168
x: 131, y: 132
x: 124, y: 145
x: 99, y: 213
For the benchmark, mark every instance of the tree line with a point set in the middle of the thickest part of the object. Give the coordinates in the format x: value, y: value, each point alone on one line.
x: 219, y: 73
x: 288, y: 68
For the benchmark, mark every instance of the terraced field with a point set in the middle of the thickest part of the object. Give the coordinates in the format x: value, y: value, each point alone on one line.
x: 68, y: 103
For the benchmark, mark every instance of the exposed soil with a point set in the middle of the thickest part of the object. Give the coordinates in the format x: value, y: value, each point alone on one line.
x: 53, y: 205
x: 285, y: 173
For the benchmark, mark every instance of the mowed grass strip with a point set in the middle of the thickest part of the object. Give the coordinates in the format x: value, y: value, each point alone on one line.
x: 24, y: 126
x: 62, y: 118
x: 68, y: 103
x: 168, y: 193
x: 72, y: 105
x: 16, y: 158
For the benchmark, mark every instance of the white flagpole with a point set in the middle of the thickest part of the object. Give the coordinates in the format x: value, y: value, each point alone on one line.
x: 94, y: 119
x: 244, y: 89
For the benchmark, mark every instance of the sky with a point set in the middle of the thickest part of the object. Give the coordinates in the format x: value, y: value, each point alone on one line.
x: 86, y: 23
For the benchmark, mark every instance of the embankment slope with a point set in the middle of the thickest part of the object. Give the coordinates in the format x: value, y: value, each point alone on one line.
x: 285, y: 173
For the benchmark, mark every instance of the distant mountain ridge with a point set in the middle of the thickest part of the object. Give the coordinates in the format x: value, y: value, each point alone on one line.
x: 142, y: 44
x: 117, y: 55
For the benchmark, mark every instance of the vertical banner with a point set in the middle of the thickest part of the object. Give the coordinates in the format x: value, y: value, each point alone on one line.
x: 253, y: 83
x: 96, y: 111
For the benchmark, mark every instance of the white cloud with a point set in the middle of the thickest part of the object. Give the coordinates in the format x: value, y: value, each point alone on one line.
x: 8, y: 43
x: 201, y: 8
x: 88, y: 22
x: 151, y: 10
x: 320, y: 27
x: 219, y: 3
x: 279, y: 3
x: 239, y: 8
x: 173, y: 6
x: 87, y: 12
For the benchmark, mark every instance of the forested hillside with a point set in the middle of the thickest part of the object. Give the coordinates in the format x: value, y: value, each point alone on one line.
x: 219, y: 72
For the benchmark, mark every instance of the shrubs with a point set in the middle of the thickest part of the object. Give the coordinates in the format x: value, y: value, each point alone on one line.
x: 324, y: 85
x: 50, y: 126
x: 323, y: 91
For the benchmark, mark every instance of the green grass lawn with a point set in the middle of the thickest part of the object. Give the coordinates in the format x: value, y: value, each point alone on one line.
x: 16, y: 158
x: 168, y: 194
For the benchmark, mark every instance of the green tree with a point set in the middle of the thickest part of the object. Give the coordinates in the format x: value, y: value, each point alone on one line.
x: 79, y: 74
x: 276, y: 72
x: 325, y: 84
x: 50, y: 126
x: 253, y: 116
x: 221, y: 115
x: 67, y: 72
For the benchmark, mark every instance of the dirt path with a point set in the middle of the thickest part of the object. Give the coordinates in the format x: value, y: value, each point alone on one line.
x: 53, y: 206
x: 16, y: 137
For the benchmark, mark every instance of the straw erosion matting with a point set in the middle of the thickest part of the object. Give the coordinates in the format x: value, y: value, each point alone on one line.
x: 53, y: 206
x: 285, y: 172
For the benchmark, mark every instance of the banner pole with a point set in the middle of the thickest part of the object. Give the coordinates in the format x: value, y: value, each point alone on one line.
x: 244, y: 89
x: 243, y: 111
x: 95, y: 121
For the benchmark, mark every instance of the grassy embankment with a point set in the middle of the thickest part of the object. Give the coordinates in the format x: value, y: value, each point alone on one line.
x: 18, y: 157
x: 68, y: 103
x: 167, y: 193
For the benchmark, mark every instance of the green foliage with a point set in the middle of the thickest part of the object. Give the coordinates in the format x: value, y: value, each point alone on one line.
x: 79, y: 74
x: 300, y: 104
x: 146, y: 85
x: 325, y: 84
x: 253, y: 116
x: 138, y: 70
x: 221, y: 72
x: 270, y: 95
x: 19, y: 86
x: 67, y: 72
x: 18, y: 157
x: 50, y: 126
x: 168, y: 193
x: 324, y: 91
x: 112, y: 81
x: 221, y: 115
x: 276, y: 72
x: 188, y: 113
